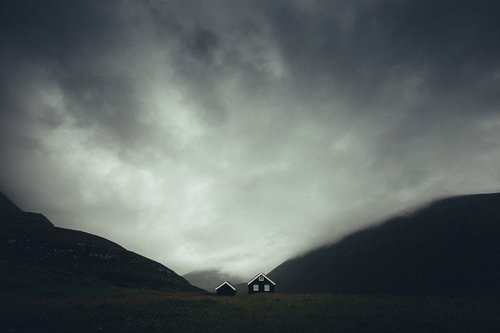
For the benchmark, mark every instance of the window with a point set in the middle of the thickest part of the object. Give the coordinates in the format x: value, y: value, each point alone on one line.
x: 255, y: 287
x: 267, y: 287
x: 261, y: 278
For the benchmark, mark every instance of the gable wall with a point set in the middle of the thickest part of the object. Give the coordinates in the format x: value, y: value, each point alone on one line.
x: 261, y: 286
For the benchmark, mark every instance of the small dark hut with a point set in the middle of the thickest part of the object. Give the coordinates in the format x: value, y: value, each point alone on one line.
x: 225, y: 289
x: 261, y: 284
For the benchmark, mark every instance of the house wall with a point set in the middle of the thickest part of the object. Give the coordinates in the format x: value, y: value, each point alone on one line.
x: 261, y: 286
x: 225, y: 290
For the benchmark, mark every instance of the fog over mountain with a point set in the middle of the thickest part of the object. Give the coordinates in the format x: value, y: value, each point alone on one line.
x: 35, y: 254
x: 236, y: 134
x: 449, y: 247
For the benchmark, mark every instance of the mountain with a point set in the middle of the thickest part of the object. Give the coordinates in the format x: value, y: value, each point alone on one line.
x: 450, y: 247
x: 33, y: 252
x: 210, y: 279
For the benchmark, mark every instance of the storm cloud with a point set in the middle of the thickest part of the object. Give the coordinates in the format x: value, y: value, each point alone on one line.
x: 236, y: 134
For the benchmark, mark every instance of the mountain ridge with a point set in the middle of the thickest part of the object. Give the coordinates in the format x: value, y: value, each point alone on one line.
x: 450, y: 246
x: 35, y: 252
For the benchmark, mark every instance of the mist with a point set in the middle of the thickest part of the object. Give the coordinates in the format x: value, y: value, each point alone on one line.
x: 234, y: 135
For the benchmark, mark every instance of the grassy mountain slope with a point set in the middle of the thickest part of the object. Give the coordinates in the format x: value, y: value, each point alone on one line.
x: 450, y: 247
x: 33, y: 252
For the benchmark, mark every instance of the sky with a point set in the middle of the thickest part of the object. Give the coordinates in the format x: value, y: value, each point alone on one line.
x: 237, y: 134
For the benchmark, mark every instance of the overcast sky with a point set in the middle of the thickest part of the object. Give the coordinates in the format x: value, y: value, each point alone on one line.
x: 237, y: 134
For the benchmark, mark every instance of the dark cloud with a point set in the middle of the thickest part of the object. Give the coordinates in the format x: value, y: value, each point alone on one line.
x: 360, y: 46
x: 202, y: 43
x: 286, y: 124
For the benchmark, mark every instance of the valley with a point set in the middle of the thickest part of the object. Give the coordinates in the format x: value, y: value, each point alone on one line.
x: 132, y: 310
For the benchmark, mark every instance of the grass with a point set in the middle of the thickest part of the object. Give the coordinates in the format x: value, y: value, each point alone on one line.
x: 131, y: 310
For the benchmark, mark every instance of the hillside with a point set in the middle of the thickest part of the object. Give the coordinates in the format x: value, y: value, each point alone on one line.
x: 450, y: 247
x: 33, y: 252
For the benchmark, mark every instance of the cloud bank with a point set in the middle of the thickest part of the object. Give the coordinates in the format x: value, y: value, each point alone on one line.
x: 236, y: 134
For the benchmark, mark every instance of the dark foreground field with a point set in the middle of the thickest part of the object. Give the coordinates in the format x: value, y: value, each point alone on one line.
x: 125, y: 310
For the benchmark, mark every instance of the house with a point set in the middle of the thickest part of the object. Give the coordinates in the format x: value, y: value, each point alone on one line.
x: 261, y: 284
x: 225, y: 289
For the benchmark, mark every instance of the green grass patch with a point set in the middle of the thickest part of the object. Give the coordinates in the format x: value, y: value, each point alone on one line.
x: 133, y: 310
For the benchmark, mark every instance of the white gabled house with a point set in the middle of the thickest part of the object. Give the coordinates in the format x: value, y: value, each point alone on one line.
x: 225, y: 289
x: 261, y: 284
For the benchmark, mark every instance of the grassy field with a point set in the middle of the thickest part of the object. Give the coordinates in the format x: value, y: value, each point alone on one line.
x: 125, y: 310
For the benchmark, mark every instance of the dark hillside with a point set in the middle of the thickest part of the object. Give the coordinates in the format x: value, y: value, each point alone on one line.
x: 34, y: 252
x: 6, y: 206
x: 449, y: 247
